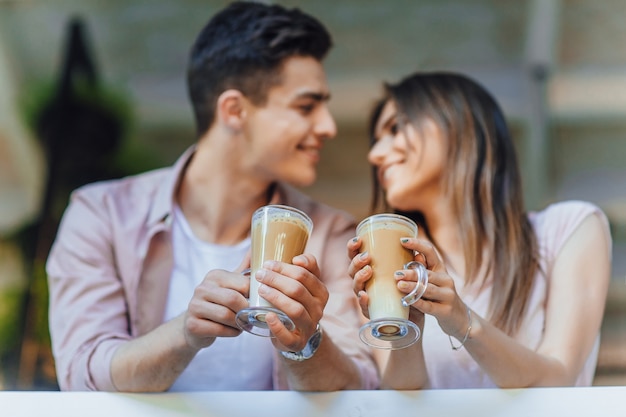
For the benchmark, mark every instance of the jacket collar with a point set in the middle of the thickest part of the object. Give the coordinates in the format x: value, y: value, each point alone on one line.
x: 165, y: 198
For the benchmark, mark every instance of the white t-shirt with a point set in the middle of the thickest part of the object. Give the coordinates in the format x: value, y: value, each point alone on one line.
x: 230, y: 363
x: 457, y: 369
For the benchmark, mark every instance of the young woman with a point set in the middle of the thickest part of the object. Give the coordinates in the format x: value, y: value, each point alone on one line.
x: 514, y: 299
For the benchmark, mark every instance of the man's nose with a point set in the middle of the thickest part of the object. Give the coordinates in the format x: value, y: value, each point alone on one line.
x: 325, y: 126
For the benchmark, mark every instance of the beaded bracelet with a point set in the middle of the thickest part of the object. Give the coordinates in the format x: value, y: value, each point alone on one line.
x: 469, y: 328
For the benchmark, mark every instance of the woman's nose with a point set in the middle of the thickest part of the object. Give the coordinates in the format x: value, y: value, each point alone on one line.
x: 378, y: 152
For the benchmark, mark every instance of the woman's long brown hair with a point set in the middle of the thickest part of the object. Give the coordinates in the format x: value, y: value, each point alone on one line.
x: 484, y: 181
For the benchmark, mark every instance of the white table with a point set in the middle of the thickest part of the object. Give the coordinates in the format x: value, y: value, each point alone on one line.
x: 552, y: 402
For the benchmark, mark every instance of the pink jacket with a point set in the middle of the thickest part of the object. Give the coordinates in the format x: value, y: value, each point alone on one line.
x: 109, y: 270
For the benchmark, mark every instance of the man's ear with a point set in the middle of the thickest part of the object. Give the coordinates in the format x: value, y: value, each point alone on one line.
x: 231, y: 109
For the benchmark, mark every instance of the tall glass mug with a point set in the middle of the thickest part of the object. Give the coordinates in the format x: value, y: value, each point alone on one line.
x: 389, y: 326
x: 279, y: 233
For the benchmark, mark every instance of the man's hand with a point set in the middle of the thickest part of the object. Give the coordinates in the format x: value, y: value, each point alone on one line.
x: 296, y: 290
x: 212, y: 309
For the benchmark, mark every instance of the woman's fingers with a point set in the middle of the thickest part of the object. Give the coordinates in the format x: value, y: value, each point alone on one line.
x: 360, y: 278
x: 425, y: 253
x: 359, y: 260
x: 440, y: 288
x: 364, y: 300
x: 353, y: 246
x: 360, y: 271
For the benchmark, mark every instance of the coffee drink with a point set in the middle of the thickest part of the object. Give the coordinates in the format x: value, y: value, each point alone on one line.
x: 277, y: 234
x: 381, y: 236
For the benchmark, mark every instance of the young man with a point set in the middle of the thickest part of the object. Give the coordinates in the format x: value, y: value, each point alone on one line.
x: 132, y: 305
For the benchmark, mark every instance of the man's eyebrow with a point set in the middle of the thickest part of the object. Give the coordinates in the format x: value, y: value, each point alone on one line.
x: 314, y: 96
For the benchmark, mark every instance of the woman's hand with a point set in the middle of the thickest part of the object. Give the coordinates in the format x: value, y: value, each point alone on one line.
x: 360, y: 271
x: 440, y: 299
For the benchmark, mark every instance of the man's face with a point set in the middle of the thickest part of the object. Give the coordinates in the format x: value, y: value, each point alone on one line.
x: 287, y: 133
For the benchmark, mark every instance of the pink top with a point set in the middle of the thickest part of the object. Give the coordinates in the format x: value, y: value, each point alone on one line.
x: 456, y: 369
x: 109, y: 271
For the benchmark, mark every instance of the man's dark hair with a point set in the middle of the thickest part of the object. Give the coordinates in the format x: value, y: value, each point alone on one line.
x: 243, y: 47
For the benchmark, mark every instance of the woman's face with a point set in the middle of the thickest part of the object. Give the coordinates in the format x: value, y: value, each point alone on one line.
x: 409, y: 161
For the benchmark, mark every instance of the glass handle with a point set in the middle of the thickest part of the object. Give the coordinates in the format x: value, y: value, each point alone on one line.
x: 420, y: 287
